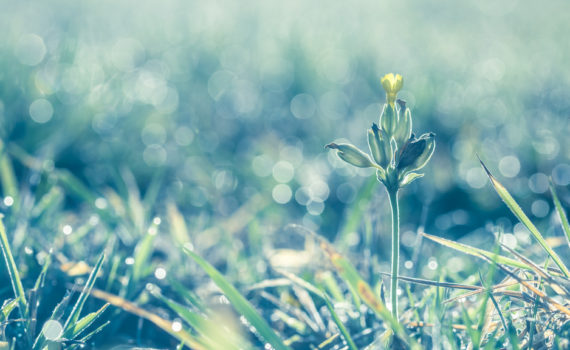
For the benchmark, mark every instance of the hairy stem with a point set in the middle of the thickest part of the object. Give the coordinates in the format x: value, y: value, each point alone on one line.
x: 393, y: 194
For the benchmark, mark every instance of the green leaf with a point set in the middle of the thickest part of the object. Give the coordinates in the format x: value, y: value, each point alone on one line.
x: 561, y: 213
x: 477, y: 252
x: 143, y: 252
x: 217, y: 337
x: 84, y: 323
x: 339, y: 324
x: 356, y: 283
x: 516, y: 209
x: 409, y: 178
x: 7, y: 309
x: 352, y: 155
x: 239, y: 302
x: 8, y: 178
x: 15, y: 280
x: 76, y: 311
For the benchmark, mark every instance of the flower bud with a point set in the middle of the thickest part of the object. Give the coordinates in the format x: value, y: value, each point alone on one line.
x: 392, y: 84
x: 409, y: 178
x: 377, y: 144
x: 416, y: 153
x: 352, y: 155
x: 404, y: 126
x: 388, y: 119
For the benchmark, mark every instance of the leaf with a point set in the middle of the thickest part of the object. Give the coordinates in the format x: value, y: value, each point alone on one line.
x: 356, y: 283
x: 76, y: 311
x: 239, y: 302
x: 217, y: 337
x: 518, y: 212
x: 7, y: 175
x: 7, y: 309
x: 339, y: 324
x: 561, y: 213
x: 15, y: 280
x: 84, y: 322
x: 477, y: 252
x: 167, y: 326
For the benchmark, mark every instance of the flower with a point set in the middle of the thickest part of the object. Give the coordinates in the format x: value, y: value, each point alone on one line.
x: 392, y: 84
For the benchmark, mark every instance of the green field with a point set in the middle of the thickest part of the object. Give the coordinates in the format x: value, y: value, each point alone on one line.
x: 164, y: 181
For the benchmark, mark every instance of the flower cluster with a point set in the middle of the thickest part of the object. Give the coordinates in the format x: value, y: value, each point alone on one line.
x: 396, y: 152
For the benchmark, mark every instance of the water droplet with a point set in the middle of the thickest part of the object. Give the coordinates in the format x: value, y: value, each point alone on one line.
x: 67, y: 230
x: 160, y: 273
x: 176, y: 326
x: 8, y: 201
x: 52, y: 330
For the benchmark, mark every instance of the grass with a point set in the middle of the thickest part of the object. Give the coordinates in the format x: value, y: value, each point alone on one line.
x: 136, y: 271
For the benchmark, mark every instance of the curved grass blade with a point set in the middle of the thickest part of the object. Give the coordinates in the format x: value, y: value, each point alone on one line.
x: 167, y: 326
x: 86, y: 321
x: 357, y: 284
x: 8, y: 178
x: 561, y: 213
x: 518, y: 212
x: 216, y: 336
x: 7, y: 309
x: 76, y: 311
x: 239, y: 302
x: 13, y: 271
x: 339, y: 324
x: 480, y: 253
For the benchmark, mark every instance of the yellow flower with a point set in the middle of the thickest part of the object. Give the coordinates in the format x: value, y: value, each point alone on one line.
x: 392, y: 84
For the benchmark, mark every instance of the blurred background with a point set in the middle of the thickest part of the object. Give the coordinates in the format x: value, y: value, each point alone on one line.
x: 218, y: 106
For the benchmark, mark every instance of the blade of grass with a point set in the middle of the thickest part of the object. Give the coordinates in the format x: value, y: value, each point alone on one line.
x: 518, y: 212
x: 143, y: 252
x: 561, y: 213
x: 13, y: 273
x: 477, y: 252
x: 435, y: 283
x: 7, y: 176
x: 209, y: 329
x: 239, y: 302
x: 339, y: 324
x: 167, y: 326
x: 356, y: 283
x: 535, y: 290
x: 86, y: 321
x: 7, y: 309
x: 76, y: 311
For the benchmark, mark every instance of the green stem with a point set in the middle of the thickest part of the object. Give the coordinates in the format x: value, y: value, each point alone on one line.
x: 393, y: 194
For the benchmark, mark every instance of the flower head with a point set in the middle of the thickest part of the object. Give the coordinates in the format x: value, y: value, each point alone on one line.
x: 392, y: 84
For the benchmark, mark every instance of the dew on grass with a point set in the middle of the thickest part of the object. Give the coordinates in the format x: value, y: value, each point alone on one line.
x: 101, y: 203
x: 31, y: 49
x: 8, y: 201
x: 282, y: 194
x: 540, y: 208
x: 41, y: 111
x: 160, y: 273
x: 315, y: 208
x: 67, y: 230
x: 176, y: 326
x: 509, y: 166
x: 538, y: 183
x: 283, y: 171
x: 130, y: 260
x: 52, y: 330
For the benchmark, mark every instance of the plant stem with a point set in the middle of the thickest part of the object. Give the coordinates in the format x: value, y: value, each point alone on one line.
x: 393, y: 194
